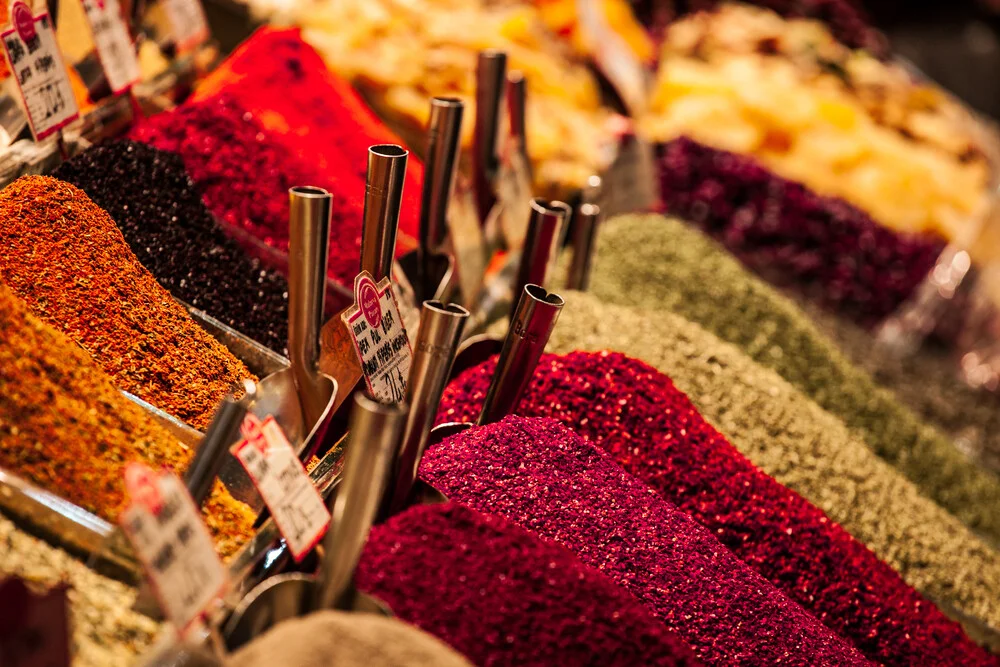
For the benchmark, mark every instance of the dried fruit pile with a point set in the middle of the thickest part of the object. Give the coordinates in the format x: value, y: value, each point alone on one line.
x: 654, y: 432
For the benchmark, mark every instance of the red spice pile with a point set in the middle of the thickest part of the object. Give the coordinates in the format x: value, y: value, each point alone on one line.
x: 543, y: 477
x: 317, y: 115
x: 791, y: 235
x: 636, y: 414
x: 501, y: 596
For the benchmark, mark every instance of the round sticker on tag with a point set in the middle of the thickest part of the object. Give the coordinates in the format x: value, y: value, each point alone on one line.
x: 23, y: 21
x: 142, y: 487
x: 252, y: 430
x: 368, y: 303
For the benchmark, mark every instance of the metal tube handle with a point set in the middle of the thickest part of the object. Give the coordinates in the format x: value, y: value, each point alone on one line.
x: 534, y: 319
x: 541, y: 244
x: 383, y: 198
x: 214, y: 447
x: 375, y: 430
x: 308, y: 245
x: 433, y: 354
x: 491, y: 77
x: 517, y: 104
x: 444, y: 137
x: 587, y: 220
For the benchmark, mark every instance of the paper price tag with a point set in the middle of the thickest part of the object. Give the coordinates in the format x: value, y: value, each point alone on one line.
x: 188, y: 23
x: 379, y: 338
x: 114, y: 46
x: 283, y: 483
x: 30, y: 45
x: 165, y: 528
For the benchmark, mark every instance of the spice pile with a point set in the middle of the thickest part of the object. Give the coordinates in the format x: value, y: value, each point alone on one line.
x: 804, y: 448
x: 541, y: 476
x: 538, y: 607
x: 106, y: 632
x: 339, y: 639
x: 165, y: 223
x: 66, y: 428
x: 654, y: 432
x: 660, y: 264
x: 64, y: 256
x: 318, y: 116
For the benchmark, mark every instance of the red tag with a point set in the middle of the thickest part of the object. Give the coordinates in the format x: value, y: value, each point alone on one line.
x: 34, y: 629
x: 23, y: 21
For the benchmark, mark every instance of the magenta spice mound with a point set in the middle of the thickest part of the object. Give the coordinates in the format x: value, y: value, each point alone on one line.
x: 546, y: 479
x: 637, y: 415
x: 501, y: 596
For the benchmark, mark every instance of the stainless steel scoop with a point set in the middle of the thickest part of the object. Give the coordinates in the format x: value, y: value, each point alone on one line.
x: 375, y: 430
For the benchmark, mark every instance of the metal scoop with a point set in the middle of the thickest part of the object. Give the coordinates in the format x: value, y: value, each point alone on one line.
x: 429, y: 269
x: 375, y: 430
x: 585, y: 224
x: 491, y: 77
x: 300, y: 397
x: 383, y: 194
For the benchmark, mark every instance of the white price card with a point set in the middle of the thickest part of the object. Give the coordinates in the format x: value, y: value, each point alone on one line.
x: 188, y: 23
x: 114, y: 46
x: 379, y: 338
x: 30, y: 44
x: 165, y: 528
x: 283, y: 483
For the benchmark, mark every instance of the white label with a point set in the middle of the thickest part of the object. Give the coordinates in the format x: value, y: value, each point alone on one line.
x: 114, y: 46
x: 188, y: 22
x: 165, y: 528
x: 38, y: 68
x: 281, y: 479
x: 379, y: 338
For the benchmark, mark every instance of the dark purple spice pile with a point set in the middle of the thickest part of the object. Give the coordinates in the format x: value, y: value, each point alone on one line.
x: 546, y: 479
x: 161, y: 215
x: 637, y: 415
x: 501, y: 596
x: 781, y: 229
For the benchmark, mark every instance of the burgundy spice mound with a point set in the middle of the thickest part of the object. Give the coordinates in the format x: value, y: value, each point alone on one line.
x: 244, y: 175
x: 781, y: 229
x: 165, y: 223
x: 501, y: 596
x: 546, y: 479
x: 637, y: 415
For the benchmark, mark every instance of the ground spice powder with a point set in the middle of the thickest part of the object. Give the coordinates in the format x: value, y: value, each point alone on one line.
x: 64, y: 256
x: 161, y: 215
x: 65, y: 427
x: 543, y: 477
x: 501, y: 596
x: 803, y: 447
x: 652, y: 430
x: 661, y: 264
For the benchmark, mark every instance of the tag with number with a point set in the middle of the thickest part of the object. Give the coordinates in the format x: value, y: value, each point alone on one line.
x: 114, y: 46
x: 283, y: 483
x: 38, y: 68
x: 34, y: 628
x: 379, y: 338
x: 188, y: 22
x: 165, y: 527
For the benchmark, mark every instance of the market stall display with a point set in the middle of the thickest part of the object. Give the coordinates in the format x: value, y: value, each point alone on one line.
x: 545, y: 606
x: 652, y: 430
x: 804, y: 448
x: 68, y: 261
x: 659, y: 264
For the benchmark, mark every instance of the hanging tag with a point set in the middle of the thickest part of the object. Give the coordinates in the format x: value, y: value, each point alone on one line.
x: 165, y: 528
x: 30, y: 44
x: 379, y: 338
x: 114, y: 46
x: 34, y: 629
x: 188, y: 22
x: 283, y: 483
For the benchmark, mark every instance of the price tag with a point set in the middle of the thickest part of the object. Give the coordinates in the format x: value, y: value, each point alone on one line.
x: 38, y: 68
x: 379, y: 338
x: 34, y: 629
x: 188, y: 22
x: 165, y: 527
x: 114, y: 46
x: 281, y: 479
